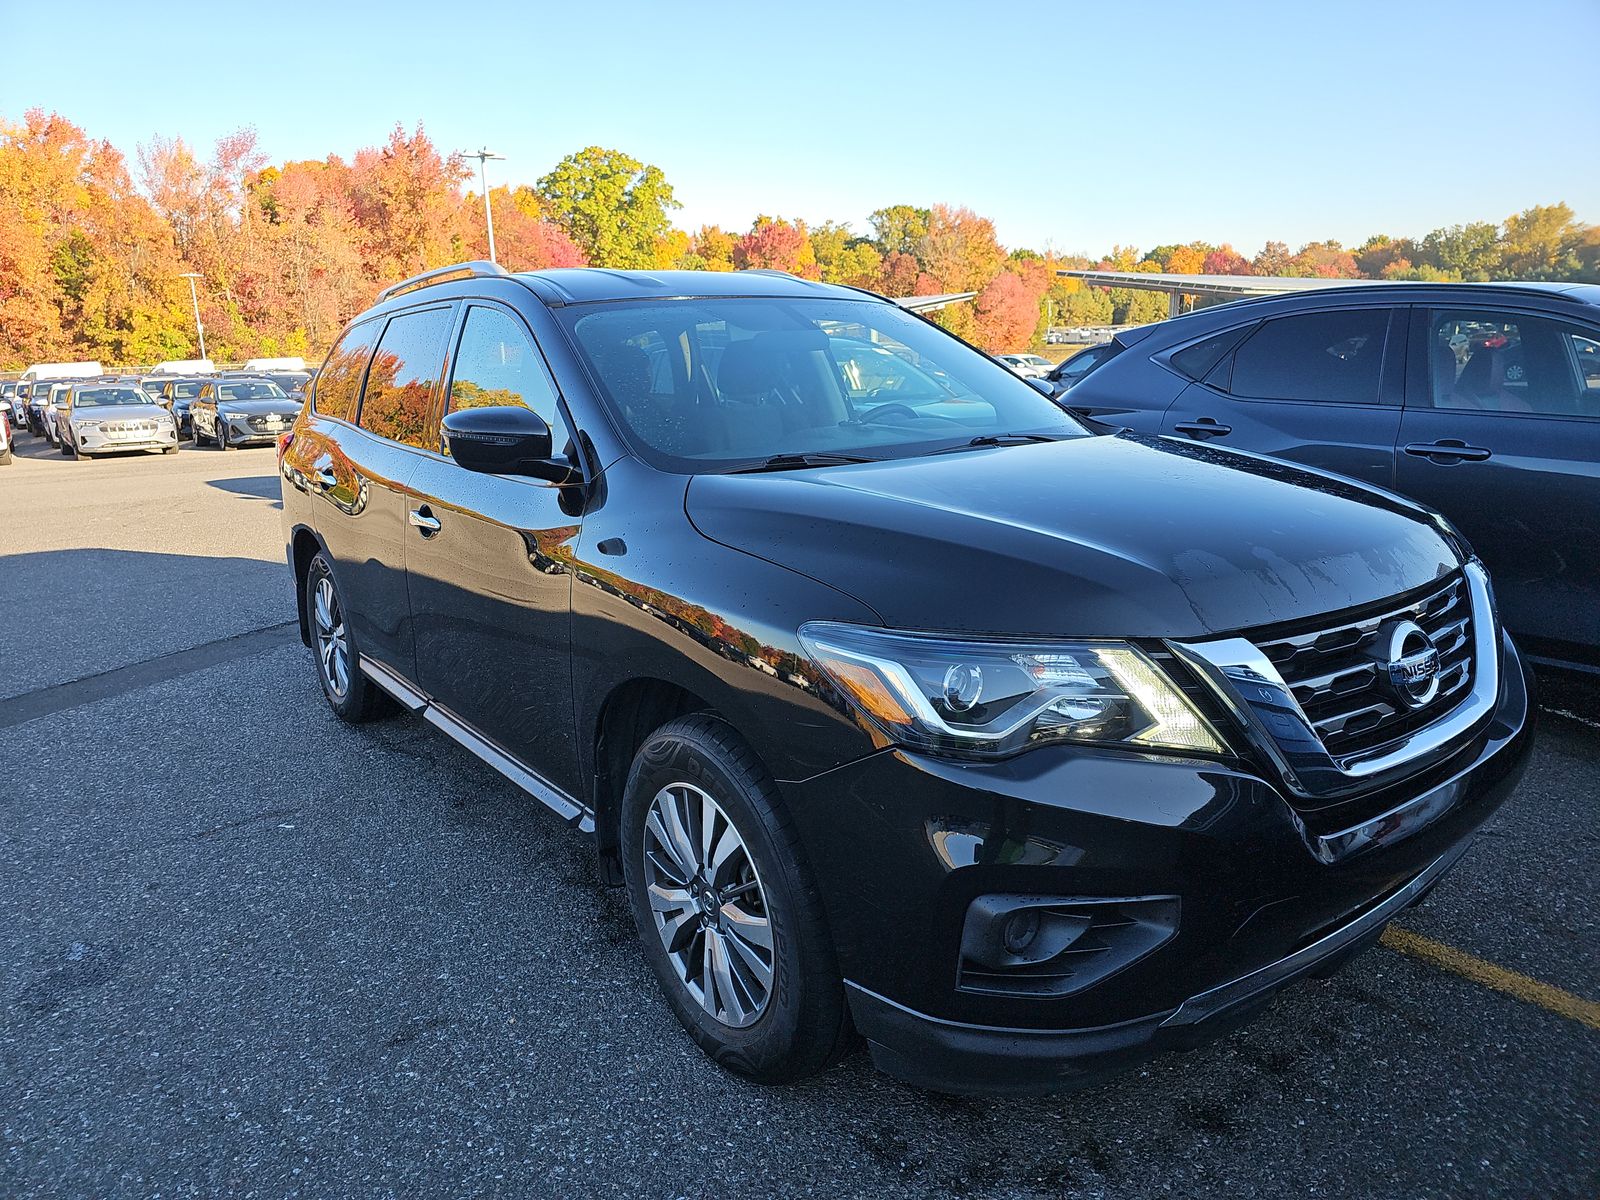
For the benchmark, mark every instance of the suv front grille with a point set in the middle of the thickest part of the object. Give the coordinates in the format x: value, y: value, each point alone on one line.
x: 1339, y: 682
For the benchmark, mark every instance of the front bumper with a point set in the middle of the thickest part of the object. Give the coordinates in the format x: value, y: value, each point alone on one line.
x: 247, y: 436
x: 94, y: 441
x: 904, y: 844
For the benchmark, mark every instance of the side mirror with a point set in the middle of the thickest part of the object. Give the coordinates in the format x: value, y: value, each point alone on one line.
x: 505, y: 440
x: 1043, y: 386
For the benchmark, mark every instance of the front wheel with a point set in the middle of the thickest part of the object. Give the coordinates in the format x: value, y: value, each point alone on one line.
x: 222, y: 437
x: 730, y: 918
x: 351, y: 695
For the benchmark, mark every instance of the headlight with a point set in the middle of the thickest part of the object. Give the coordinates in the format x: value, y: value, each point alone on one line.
x: 164, y: 416
x: 86, y: 425
x: 993, y: 698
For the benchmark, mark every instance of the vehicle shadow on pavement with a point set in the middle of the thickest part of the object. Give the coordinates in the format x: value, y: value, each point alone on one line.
x: 261, y: 487
x: 94, y: 610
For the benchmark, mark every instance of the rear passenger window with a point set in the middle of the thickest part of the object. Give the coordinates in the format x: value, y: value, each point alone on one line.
x: 1334, y: 357
x: 1197, y: 360
x: 339, y: 385
x: 497, y: 364
x: 398, y: 401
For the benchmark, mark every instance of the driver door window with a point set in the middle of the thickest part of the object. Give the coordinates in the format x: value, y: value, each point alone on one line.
x: 1512, y: 363
x: 497, y: 365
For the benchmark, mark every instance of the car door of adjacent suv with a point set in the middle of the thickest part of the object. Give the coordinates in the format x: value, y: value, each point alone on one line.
x: 1501, y: 433
x: 488, y: 560
x: 1322, y: 388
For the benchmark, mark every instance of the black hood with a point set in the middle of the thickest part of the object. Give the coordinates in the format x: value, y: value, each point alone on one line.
x: 1092, y: 537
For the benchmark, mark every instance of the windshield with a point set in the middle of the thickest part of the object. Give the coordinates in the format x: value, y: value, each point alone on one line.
x: 250, y: 389
x: 709, y: 384
x: 100, y: 396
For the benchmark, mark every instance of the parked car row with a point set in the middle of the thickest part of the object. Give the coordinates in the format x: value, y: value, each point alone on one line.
x: 895, y: 696
x: 154, y: 412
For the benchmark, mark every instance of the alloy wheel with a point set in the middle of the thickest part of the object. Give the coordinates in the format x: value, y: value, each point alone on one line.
x: 333, y: 647
x: 708, y: 905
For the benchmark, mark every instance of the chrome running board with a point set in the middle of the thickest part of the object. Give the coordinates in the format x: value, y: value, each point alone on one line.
x: 442, y: 719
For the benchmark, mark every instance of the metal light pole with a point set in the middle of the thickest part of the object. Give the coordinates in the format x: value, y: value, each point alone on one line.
x: 483, y: 156
x: 194, y: 296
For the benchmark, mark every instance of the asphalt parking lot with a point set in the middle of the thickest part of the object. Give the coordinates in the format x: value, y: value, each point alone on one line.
x: 247, y: 950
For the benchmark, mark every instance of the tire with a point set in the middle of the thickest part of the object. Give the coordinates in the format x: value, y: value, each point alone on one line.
x: 68, y: 450
x: 800, y: 1024
x: 194, y: 432
x: 222, y: 438
x: 5, y: 457
x: 352, y: 696
x: 172, y: 449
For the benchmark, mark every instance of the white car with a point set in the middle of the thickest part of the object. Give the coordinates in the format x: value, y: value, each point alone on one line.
x: 1029, y: 366
x: 103, y: 417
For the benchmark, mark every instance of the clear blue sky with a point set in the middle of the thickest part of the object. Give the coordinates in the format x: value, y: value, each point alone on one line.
x: 1073, y: 125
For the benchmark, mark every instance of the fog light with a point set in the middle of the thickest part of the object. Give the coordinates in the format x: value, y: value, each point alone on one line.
x: 1032, y: 945
x: 1021, y: 929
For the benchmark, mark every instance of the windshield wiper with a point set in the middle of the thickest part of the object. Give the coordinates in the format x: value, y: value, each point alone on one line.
x: 793, y: 462
x: 999, y: 439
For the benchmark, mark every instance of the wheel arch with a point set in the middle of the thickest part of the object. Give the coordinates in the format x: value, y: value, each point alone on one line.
x: 304, y: 545
x: 632, y: 710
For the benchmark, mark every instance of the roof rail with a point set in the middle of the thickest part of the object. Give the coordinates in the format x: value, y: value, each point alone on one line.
x: 768, y: 271
x: 481, y: 267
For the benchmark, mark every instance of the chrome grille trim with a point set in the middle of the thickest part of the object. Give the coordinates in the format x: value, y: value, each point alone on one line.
x: 1346, y: 699
x: 1255, y: 691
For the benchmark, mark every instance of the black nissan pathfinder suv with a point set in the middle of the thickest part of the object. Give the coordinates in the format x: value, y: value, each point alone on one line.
x: 899, y: 700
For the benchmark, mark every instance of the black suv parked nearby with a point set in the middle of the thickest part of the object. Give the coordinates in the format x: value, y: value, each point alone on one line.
x: 897, y: 699
x: 1479, y: 400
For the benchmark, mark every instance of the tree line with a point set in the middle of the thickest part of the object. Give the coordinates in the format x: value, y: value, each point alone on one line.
x: 93, y: 249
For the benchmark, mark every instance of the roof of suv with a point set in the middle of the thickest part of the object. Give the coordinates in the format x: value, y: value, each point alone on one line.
x: 1203, y: 320
x: 581, y: 285
x: 1392, y: 291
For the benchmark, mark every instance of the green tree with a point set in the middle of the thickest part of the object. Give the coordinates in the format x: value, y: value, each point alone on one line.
x: 613, y: 206
x: 1543, y: 242
x: 844, y: 258
x: 899, y: 229
x: 1470, y: 252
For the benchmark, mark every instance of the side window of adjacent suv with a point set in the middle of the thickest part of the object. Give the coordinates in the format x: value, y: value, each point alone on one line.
x: 497, y: 364
x: 1332, y: 356
x: 398, y: 400
x: 339, y: 386
x: 1513, y: 363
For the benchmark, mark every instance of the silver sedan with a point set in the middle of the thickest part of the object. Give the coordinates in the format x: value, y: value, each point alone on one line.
x: 99, y: 418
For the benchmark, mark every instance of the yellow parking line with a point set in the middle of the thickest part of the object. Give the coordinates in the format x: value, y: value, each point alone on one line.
x: 1519, y: 987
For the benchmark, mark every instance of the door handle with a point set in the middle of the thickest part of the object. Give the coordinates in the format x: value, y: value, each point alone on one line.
x: 423, y: 519
x: 1203, y: 428
x: 1447, y: 448
x: 323, y: 477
